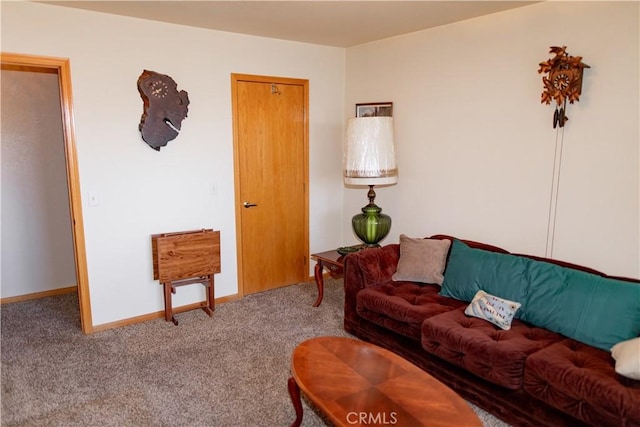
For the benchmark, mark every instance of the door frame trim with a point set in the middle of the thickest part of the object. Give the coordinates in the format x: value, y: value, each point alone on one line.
x: 63, y: 69
x: 235, y: 78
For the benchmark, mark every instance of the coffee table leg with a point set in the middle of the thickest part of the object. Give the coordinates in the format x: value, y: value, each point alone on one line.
x: 294, y: 392
x: 317, y: 273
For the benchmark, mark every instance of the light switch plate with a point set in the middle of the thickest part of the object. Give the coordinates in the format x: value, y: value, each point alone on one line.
x: 93, y: 198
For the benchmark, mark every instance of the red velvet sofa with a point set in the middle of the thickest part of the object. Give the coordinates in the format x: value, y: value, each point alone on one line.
x: 526, y: 376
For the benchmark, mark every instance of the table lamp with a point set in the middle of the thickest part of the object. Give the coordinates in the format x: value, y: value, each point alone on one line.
x: 370, y: 159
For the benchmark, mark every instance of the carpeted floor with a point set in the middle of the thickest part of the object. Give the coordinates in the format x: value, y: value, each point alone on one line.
x: 229, y: 370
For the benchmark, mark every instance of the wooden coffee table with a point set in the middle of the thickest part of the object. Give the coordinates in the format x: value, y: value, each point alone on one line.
x: 356, y: 383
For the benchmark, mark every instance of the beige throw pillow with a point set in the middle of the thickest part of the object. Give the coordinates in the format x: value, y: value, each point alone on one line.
x: 627, y: 357
x: 422, y: 260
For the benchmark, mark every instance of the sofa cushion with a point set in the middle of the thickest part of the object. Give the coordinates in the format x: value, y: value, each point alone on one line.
x: 581, y: 380
x: 403, y: 306
x: 574, y: 303
x: 469, y: 270
x: 483, y: 349
x: 596, y: 310
x: 498, y: 311
x: 422, y: 260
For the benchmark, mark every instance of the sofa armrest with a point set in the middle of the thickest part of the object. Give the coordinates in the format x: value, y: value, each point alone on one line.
x: 370, y: 267
x: 367, y: 268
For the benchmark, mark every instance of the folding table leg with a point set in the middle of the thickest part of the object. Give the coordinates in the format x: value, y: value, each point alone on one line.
x: 210, y: 307
x: 168, y: 310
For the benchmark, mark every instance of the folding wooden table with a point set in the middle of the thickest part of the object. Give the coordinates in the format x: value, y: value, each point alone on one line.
x: 185, y: 258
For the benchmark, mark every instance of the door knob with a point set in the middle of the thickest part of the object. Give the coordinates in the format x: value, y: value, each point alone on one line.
x: 248, y: 205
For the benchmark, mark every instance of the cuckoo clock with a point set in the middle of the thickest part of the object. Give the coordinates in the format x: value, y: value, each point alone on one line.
x: 563, y: 81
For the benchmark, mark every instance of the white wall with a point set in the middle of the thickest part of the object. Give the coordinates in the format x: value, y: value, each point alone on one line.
x: 476, y: 148
x: 37, y: 248
x: 141, y: 191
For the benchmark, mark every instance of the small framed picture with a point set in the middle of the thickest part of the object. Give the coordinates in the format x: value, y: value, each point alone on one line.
x: 375, y: 109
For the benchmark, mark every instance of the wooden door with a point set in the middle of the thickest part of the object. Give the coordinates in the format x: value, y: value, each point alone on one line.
x: 271, y: 173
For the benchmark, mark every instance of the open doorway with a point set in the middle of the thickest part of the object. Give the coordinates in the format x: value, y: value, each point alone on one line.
x: 56, y: 69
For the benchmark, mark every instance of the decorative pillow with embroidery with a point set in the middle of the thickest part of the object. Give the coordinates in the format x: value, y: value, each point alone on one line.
x: 627, y: 357
x: 422, y: 260
x: 498, y: 311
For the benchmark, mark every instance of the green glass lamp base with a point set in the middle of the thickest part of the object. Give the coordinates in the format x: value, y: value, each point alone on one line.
x: 371, y: 226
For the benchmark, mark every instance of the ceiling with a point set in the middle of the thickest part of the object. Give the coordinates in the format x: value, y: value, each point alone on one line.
x: 325, y: 22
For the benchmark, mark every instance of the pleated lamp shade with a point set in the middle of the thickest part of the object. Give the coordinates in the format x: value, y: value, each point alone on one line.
x: 369, y: 155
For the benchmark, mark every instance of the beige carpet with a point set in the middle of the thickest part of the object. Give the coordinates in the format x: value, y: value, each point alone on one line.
x: 229, y: 370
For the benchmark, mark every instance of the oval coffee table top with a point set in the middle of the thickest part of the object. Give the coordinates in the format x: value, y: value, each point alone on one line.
x: 353, y: 382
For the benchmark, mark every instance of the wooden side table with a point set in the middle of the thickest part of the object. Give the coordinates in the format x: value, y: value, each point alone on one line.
x: 332, y: 261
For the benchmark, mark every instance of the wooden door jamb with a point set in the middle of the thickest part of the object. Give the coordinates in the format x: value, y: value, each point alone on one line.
x: 62, y: 66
